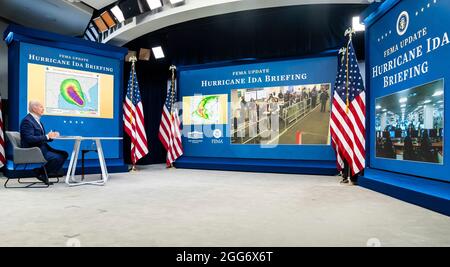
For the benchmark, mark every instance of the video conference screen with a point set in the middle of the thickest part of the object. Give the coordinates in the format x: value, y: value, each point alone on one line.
x: 270, y: 110
x: 410, y: 124
x: 286, y: 109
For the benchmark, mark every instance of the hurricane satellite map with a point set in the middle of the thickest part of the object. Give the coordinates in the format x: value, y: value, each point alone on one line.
x: 206, y: 110
x: 72, y: 93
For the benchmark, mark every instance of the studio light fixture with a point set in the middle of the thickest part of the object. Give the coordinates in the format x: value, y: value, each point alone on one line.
x: 100, y: 24
x: 176, y: 2
x: 117, y: 12
x: 144, y: 54
x: 357, y: 25
x: 92, y: 29
x: 89, y: 36
x: 154, y: 4
x: 131, y: 8
x: 108, y: 19
x: 158, y: 52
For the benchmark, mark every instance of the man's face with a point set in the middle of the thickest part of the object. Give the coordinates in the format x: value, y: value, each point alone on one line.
x: 38, y: 109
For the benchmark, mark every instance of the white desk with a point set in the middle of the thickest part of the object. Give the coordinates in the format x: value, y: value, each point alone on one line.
x: 70, y: 177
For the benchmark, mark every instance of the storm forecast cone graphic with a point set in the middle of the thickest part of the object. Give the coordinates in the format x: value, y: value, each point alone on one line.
x: 72, y: 93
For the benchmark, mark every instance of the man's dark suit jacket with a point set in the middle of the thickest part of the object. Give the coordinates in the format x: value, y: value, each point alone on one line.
x: 32, y: 135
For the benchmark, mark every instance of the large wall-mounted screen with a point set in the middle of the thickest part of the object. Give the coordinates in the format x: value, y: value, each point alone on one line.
x: 69, y: 92
x: 269, y: 110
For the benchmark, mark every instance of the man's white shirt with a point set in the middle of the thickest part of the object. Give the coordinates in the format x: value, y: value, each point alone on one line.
x: 38, y: 120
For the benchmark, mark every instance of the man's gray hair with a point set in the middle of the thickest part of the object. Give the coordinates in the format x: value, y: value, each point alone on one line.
x: 32, y: 104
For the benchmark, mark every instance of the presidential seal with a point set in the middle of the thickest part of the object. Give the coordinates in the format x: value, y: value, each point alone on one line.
x: 402, y: 23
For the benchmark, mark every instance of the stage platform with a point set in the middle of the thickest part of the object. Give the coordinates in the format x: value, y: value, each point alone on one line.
x: 430, y: 194
x: 259, y: 165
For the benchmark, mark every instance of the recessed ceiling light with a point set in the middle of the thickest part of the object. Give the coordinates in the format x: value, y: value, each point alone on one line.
x: 403, y: 106
x: 403, y: 100
x: 378, y: 107
x: 427, y: 101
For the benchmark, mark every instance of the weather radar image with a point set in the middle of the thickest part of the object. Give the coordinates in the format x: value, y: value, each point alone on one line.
x: 72, y: 93
x: 205, y: 109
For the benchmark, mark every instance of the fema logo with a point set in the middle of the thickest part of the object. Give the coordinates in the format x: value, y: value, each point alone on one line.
x: 402, y: 23
x: 217, y: 134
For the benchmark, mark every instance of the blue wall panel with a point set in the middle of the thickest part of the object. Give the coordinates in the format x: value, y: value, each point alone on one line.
x: 398, y: 60
x: 83, y: 56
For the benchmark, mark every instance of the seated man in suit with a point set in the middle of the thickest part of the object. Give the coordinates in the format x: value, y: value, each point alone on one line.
x: 32, y: 134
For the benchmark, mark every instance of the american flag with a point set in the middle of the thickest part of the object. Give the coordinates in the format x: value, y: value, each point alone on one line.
x: 169, y: 130
x: 2, y: 138
x: 133, y: 119
x: 348, y: 115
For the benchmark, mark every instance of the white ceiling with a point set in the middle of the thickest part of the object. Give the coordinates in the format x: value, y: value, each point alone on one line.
x: 195, y: 9
x: 99, y: 4
x: 60, y: 16
x: 70, y: 17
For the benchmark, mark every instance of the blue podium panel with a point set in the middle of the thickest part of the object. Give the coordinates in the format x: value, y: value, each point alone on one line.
x: 407, y: 69
x: 241, y: 115
x: 79, y: 83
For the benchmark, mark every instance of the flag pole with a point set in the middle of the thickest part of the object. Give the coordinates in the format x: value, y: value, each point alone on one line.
x: 133, y: 61
x: 172, y: 68
x: 350, y: 31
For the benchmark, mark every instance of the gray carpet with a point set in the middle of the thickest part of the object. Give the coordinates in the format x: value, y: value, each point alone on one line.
x: 159, y: 207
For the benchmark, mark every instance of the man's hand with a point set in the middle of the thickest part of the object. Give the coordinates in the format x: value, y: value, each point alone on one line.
x: 53, y: 135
